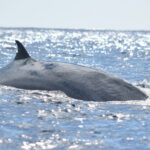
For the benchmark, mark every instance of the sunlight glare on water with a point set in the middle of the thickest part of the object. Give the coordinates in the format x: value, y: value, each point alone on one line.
x: 32, y: 120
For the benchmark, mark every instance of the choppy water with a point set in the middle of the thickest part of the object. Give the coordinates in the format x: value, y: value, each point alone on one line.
x: 32, y: 120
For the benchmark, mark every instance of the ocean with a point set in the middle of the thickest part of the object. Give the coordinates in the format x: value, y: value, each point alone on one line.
x: 42, y: 120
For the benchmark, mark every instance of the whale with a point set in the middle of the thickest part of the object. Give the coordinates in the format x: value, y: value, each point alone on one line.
x: 78, y: 82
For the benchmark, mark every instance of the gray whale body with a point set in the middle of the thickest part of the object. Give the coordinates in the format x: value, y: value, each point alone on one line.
x: 75, y: 81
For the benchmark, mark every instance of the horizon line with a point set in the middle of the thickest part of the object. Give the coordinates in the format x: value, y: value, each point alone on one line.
x: 70, y: 28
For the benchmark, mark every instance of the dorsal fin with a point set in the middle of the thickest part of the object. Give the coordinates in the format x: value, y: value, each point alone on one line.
x: 22, y: 52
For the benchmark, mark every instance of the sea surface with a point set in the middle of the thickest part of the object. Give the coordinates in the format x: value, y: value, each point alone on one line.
x: 42, y: 120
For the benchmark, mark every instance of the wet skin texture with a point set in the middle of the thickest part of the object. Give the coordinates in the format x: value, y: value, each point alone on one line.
x: 76, y: 81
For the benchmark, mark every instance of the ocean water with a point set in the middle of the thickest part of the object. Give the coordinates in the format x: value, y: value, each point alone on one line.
x: 39, y: 120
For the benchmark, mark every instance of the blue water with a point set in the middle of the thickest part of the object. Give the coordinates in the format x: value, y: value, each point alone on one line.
x: 35, y: 120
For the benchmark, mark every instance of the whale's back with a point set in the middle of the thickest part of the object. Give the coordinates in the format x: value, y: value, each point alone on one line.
x: 76, y: 81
